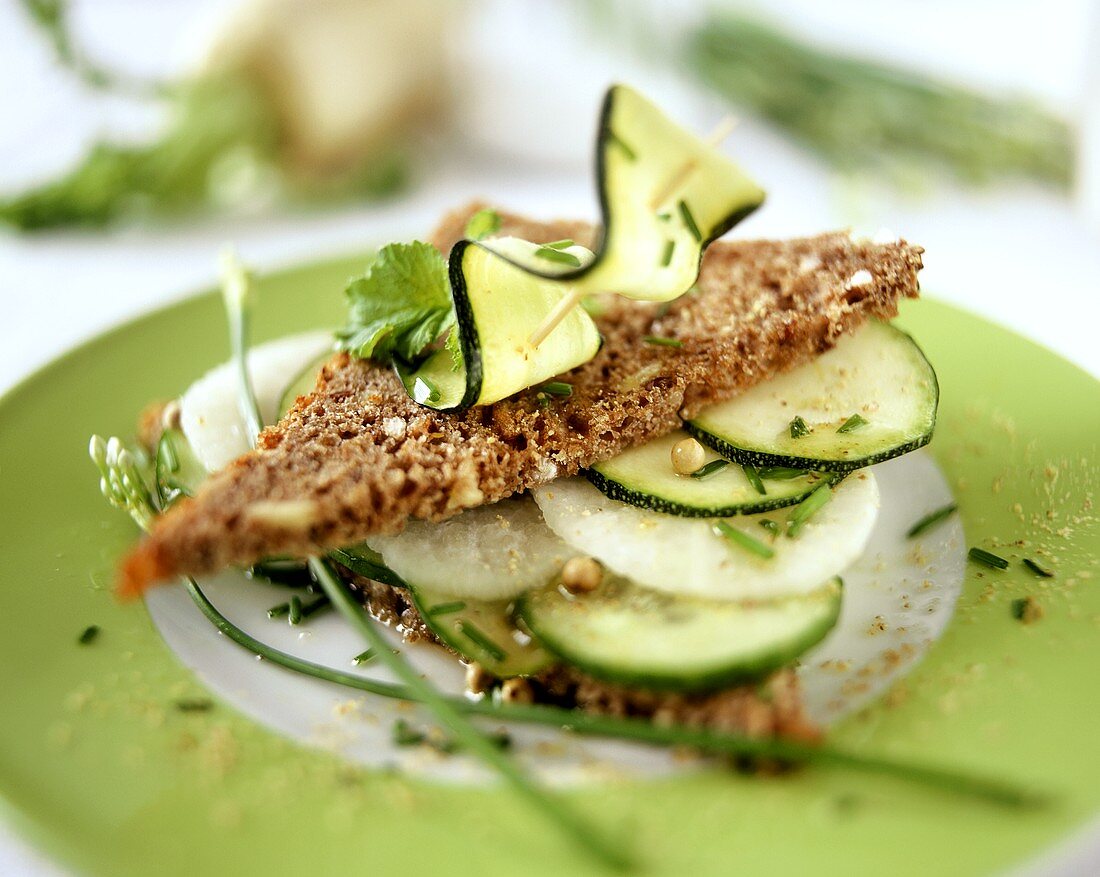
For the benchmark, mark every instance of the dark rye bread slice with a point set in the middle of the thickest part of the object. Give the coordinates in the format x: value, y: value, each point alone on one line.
x: 358, y: 456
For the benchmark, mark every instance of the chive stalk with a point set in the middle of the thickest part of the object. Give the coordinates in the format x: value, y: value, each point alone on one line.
x: 661, y: 341
x: 560, y: 256
x: 568, y: 820
x: 237, y: 295
x: 780, y: 473
x: 808, y: 508
x: 798, y: 428
x: 754, y: 479
x: 736, y: 537
x: 666, y: 254
x: 852, y: 424
x: 1040, y: 571
x: 987, y: 558
x: 446, y: 608
x: 710, y: 468
x: 557, y: 388
x: 475, y: 635
x: 931, y: 519
x: 992, y: 790
x: 88, y: 635
x: 689, y: 221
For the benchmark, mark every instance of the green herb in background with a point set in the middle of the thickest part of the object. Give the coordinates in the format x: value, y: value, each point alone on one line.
x: 860, y: 115
x: 221, y: 150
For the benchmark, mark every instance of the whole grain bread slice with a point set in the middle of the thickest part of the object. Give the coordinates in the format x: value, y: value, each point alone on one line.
x: 358, y: 456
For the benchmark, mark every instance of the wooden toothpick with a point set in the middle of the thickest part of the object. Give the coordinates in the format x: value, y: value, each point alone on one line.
x: 675, y: 181
x: 559, y: 312
x: 683, y: 173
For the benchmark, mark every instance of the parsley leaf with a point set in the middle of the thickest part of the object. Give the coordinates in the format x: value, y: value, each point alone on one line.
x: 400, y: 306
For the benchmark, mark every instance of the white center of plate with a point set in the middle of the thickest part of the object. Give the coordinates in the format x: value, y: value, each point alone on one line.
x: 898, y: 598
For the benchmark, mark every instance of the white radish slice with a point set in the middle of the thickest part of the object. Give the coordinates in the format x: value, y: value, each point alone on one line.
x: 684, y: 556
x: 492, y: 552
x: 210, y: 411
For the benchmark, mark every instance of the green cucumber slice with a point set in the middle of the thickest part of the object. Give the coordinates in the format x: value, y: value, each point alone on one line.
x: 482, y: 631
x: 632, y: 635
x: 879, y: 373
x: 492, y: 552
x: 178, y: 471
x: 664, y: 193
x: 301, y: 384
x: 644, y: 477
x: 685, y: 556
x: 652, y: 250
x: 498, y: 306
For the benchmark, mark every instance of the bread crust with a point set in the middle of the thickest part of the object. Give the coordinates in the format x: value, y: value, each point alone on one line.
x: 358, y: 456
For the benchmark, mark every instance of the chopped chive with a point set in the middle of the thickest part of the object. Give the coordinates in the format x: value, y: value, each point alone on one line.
x: 425, y: 391
x: 754, y: 479
x: 295, y: 610
x: 799, y: 428
x: 710, y: 468
x: 666, y: 256
x: 780, y: 473
x: 930, y: 520
x: 474, y: 634
x: 551, y: 255
x: 194, y: 705
x: 88, y: 635
x: 446, y: 608
x: 278, y: 611
x: 482, y: 224
x: 808, y: 507
x: 612, y: 137
x: 980, y: 555
x: 363, y: 658
x: 557, y: 388
x: 689, y: 221
x: 1027, y: 609
x: 1041, y: 571
x: 563, y: 244
x: 406, y: 735
x: 852, y: 424
x: 769, y: 525
x: 315, y: 606
x: 665, y: 216
x: 744, y: 540
x: 661, y: 341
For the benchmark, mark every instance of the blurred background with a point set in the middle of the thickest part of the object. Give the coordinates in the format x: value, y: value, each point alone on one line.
x: 138, y: 137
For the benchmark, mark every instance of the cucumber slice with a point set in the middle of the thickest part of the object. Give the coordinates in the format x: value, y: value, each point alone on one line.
x: 653, y: 246
x: 637, y: 636
x: 177, y: 469
x: 644, y: 477
x: 482, y: 631
x: 879, y: 373
x: 498, y: 306
x: 665, y: 194
x: 684, y: 556
x: 492, y: 552
x: 301, y: 384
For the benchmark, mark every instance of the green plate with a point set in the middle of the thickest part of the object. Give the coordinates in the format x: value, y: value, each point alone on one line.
x: 99, y: 769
